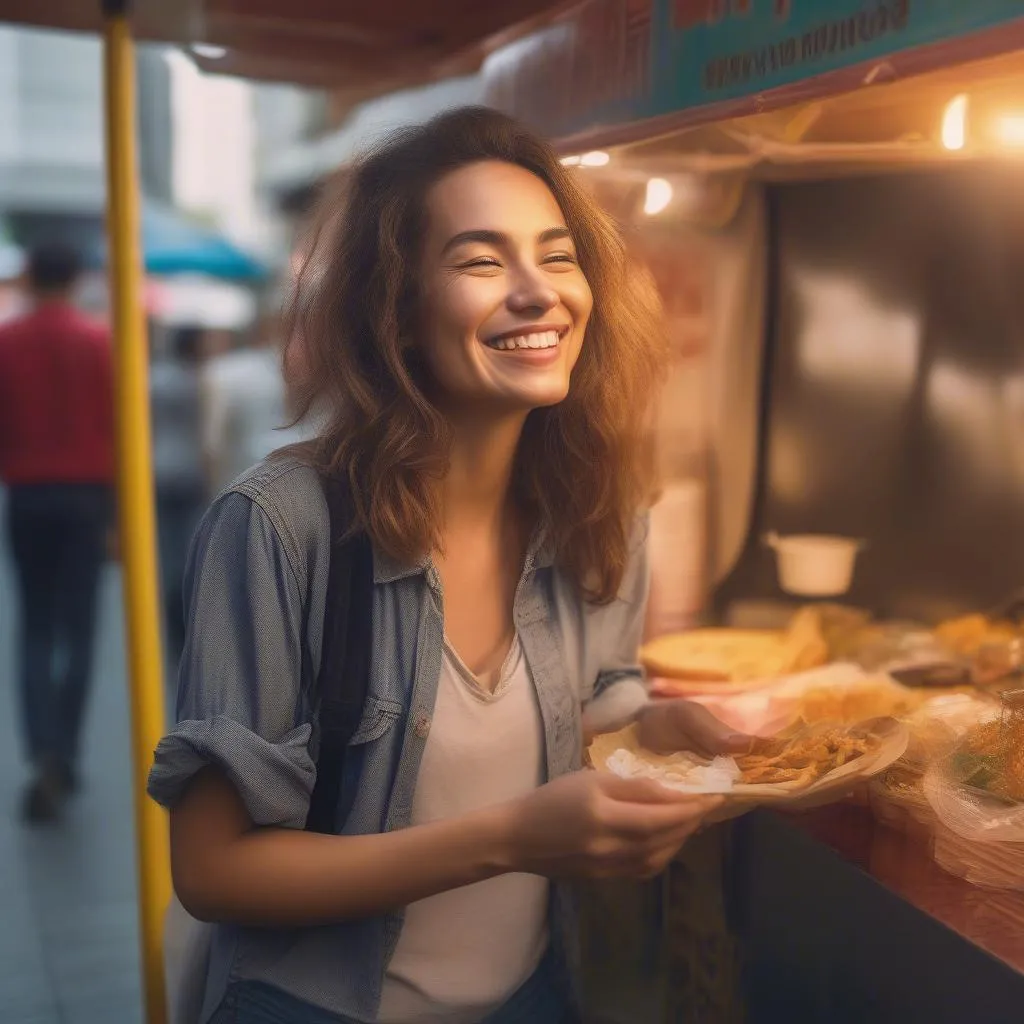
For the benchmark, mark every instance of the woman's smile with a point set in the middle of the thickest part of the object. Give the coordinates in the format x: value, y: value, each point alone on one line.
x: 534, y: 345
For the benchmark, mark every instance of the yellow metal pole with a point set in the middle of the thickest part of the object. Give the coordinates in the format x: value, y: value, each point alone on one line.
x: 135, y: 492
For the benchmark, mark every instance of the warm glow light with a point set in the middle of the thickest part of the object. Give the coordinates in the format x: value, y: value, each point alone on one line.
x: 954, y: 123
x: 596, y: 158
x: 1010, y: 129
x: 571, y: 161
x: 659, y: 195
x: 208, y: 51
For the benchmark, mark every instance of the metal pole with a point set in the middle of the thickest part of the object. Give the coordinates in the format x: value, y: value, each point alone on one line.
x: 135, y: 492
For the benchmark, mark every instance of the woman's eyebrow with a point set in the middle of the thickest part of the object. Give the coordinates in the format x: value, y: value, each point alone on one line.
x: 485, y: 236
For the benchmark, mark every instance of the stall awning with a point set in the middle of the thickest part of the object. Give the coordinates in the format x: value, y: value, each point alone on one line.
x: 881, y: 128
x: 346, y: 45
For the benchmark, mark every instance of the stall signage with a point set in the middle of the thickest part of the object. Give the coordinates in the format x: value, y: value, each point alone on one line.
x: 612, y: 61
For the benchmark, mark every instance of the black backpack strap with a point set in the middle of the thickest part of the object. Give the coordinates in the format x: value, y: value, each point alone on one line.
x: 344, y: 657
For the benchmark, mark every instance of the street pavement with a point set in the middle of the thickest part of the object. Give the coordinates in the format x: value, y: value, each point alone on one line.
x: 68, y: 919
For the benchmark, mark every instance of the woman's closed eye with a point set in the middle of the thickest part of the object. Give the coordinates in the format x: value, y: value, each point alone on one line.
x: 565, y: 258
x: 485, y: 262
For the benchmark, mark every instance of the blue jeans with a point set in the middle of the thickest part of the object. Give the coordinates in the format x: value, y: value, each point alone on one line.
x: 540, y: 1000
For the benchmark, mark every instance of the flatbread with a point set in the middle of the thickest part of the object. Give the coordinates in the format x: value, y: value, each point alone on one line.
x: 738, y: 655
x: 724, y: 655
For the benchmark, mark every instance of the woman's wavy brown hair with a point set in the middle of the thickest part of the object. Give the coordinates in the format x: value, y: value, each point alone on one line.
x: 583, y: 468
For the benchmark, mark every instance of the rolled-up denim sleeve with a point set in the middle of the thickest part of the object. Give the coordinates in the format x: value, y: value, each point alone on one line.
x: 241, y: 702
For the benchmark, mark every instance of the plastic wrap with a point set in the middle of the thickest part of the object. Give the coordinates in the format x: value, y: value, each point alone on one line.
x: 896, y: 796
x: 976, y: 837
x: 977, y: 794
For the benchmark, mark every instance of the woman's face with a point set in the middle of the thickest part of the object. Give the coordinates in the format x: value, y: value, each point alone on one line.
x: 505, y: 303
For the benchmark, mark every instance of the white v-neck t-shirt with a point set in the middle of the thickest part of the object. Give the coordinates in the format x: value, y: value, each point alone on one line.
x: 463, y: 953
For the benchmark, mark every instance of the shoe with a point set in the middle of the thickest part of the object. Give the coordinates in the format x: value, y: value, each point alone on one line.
x: 41, y: 801
x: 68, y: 778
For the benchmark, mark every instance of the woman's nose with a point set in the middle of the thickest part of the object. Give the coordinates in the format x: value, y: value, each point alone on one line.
x: 531, y: 293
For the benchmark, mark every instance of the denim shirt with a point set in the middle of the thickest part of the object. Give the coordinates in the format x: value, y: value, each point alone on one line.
x: 255, y: 588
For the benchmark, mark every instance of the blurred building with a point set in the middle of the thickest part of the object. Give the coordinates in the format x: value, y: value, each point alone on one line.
x: 51, y: 132
x: 215, y: 153
x: 305, y: 136
x: 197, y: 142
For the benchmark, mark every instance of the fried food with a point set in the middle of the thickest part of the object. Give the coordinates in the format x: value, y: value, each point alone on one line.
x: 1013, y: 777
x: 876, y: 697
x: 992, y: 758
x: 842, y: 627
x: 967, y: 634
x: 804, y: 758
x: 779, y: 769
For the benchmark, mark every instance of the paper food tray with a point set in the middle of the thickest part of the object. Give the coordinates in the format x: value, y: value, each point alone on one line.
x: 892, y: 738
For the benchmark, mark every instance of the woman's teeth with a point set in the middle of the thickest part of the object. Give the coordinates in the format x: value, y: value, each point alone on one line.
x: 544, y: 339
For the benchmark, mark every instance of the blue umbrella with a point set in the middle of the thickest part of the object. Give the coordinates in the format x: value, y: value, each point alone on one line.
x: 172, y: 244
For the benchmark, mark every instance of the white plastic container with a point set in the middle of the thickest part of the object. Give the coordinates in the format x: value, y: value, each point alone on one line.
x: 814, y: 565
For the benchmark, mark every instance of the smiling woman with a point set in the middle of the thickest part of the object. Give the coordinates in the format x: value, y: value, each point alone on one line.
x: 487, y: 361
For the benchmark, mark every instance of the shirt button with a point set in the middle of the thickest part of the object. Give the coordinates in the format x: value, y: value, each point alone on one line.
x: 422, y: 726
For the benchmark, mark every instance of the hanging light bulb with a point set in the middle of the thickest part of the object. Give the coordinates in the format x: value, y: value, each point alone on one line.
x: 954, y: 124
x: 659, y: 195
x: 595, y: 158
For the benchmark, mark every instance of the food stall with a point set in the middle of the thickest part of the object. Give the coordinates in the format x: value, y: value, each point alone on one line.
x: 827, y: 195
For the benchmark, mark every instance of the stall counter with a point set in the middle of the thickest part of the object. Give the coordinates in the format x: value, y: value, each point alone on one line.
x: 842, y: 919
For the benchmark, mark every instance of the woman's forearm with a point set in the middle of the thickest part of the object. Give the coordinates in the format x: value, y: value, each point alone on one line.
x: 287, y: 877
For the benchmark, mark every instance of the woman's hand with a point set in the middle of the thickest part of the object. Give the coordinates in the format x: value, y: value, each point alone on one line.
x: 593, y: 825
x: 669, y: 725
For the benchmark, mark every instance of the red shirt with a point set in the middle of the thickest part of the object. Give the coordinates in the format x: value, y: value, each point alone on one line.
x: 56, y: 399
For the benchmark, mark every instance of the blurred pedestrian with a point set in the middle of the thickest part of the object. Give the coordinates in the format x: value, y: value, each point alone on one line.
x: 57, y: 460
x: 245, y: 405
x: 177, y: 468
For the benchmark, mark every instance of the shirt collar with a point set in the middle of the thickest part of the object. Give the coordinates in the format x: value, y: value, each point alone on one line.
x: 388, y: 569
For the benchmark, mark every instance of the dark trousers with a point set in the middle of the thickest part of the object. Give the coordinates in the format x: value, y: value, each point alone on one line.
x: 57, y: 534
